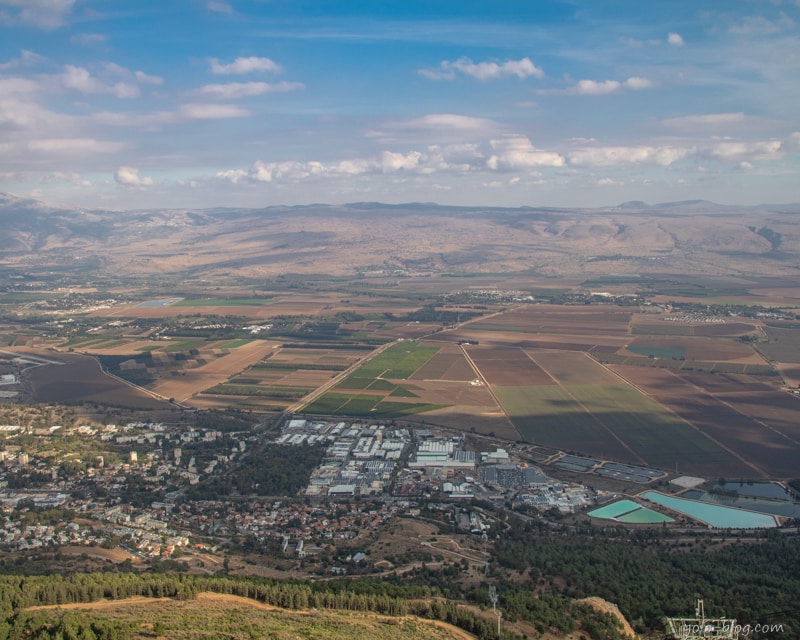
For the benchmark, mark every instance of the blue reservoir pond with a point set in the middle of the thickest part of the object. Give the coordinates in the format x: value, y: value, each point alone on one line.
x: 721, y: 517
x: 775, y: 507
x: 629, y: 512
x: 756, y: 490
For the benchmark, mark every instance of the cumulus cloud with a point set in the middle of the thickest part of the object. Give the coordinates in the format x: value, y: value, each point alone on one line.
x: 129, y: 177
x: 145, y: 78
x: 26, y: 59
x: 675, y: 39
x: 67, y: 176
x: 197, y: 111
x: 74, y: 145
x: 448, y: 70
x: 43, y: 14
x: 756, y: 150
x: 599, y: 88
x: 245, y: 65
x: 79, y: 79
x: 233, y: 90
x: 619, y: 155
x: 518, y: 153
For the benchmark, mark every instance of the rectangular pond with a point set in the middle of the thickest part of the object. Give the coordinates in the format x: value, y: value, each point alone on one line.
x: 712, y: 514
x: 629, y: 512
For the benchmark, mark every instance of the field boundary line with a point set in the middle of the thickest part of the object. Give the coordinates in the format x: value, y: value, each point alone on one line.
x: 724, y: 447
x: 594, y: 416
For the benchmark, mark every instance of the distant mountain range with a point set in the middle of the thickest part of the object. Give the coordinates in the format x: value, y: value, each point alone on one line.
x: 412, y: 239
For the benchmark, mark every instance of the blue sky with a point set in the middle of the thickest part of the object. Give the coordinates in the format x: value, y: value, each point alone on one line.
x: 201, y: 103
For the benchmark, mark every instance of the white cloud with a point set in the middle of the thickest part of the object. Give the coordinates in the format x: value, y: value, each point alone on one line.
x: 599, y: 88
x: 145, y: 78
x: 518, y: 153
x: 79, y: 79
x: 760, y: 26
x: 44, y: 14
x: 612, y: 156
x: 245, y: 65
x: 88, y: 39
x: 233, y: 90
x: 636, y: 83
x: 67, y: 176
x: 129, y: 177
x: 448, y: 70
x: 391, y: 162
x: 74, y: 145
x: 675, y: 39
x: 220, y: 7
x: 704, y: 121
x: 759, y: 150
x: 211, y: 111
x: 26, y: 59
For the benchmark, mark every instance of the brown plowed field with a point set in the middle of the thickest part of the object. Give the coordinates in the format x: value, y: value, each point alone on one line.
x: 729, y: 416
x: 217, y: 371
x: 508, y: 367
x: 557, y: 319
x: 448, y: 364
x: 704, y: 349
x: 80, y: 379
x: 571, y: 368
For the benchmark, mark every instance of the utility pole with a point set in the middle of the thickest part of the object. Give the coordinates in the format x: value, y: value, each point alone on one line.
x: 493, y: 598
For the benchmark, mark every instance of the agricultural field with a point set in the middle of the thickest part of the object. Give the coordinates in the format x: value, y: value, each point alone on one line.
x: 80, y: 379
x: 376, y: 387
x: 606, y: 320
x: 783, y: 344
x: 283, y: 377
x: 574, y: 403
x: 754, y: 421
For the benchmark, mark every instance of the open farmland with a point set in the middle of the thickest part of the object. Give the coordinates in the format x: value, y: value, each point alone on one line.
x: 285, y: 376
x: 733, y: 413
x: 568, y: 401
x: 80, y: 379
x: 783, y: 345
x: 584, y: 320
x: 189, y: 382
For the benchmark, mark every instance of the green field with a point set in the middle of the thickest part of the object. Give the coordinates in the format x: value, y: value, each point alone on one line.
x: 660, y: 437
x: 183, y: 345
x: 611, y: 420
x: 398, y: 362
x: 363, y: 405
x: 223, y: 302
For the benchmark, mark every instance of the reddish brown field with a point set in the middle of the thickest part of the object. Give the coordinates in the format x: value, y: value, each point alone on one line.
x: 559, y: 320
x: 182, y: 387
x: 599, y: 344
x: 572, y: 368
x: 704, y: 349
x: 733, y: 415
x: 448, y: 364
x: 727, y: 329
x: 80, y: 379
x: 508, y: 367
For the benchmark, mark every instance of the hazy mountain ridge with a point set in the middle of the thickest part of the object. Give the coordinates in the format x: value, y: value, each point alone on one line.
x: 411, y: 237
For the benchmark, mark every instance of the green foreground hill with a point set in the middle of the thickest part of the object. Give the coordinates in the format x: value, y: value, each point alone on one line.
x: 214, y: 615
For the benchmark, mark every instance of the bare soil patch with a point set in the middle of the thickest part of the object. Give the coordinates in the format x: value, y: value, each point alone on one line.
x: 507, y: 367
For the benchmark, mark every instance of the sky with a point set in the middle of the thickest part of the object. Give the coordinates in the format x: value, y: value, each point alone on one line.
x: 124, y: 104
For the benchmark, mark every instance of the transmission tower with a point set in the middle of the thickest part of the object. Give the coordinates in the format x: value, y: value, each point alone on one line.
x: 702, y: 628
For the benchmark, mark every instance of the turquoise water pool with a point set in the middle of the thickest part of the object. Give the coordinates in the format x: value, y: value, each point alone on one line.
x: 712, y: 514
x: 629, y: 512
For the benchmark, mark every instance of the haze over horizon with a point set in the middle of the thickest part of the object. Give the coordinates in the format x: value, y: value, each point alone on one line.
x: 199, y: 103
